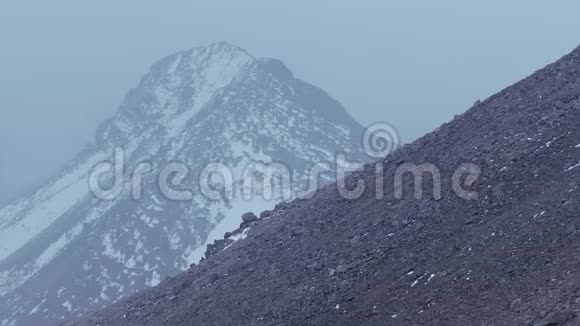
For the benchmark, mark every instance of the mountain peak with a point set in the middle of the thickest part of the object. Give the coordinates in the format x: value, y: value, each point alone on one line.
x: 176, y: 88
x: 205, y: 105
x: 224, y: 46
x: 219, y: 50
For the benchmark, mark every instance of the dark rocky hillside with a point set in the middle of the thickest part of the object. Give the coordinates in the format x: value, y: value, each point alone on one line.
x: 509, y: 257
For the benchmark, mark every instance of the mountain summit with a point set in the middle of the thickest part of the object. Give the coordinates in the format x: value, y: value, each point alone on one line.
x: 67, y: 249
x: 503, y: 253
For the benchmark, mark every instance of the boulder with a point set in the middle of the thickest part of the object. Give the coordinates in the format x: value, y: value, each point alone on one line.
x: 249, y: 218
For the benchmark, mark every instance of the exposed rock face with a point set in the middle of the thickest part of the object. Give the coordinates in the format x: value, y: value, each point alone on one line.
x: 508, y: 256
x: 64, y: 252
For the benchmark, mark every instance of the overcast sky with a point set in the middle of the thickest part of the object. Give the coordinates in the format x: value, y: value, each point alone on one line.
x: 65, y: 65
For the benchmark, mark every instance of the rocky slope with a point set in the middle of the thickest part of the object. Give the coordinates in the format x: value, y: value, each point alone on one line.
x: 508, y: 256
x: 65, y: 251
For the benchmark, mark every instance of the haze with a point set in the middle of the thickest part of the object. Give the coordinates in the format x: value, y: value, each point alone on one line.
x: 65, y: 65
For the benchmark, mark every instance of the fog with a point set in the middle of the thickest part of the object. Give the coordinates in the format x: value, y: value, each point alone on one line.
x: 65, y: 65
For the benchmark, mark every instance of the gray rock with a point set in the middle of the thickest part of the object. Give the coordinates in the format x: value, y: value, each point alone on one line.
x: 265, y: 214
x: 557, y: 318
x: 249, y: 218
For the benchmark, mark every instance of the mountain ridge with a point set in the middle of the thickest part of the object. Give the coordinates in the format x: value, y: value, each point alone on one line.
x: 64, y: 251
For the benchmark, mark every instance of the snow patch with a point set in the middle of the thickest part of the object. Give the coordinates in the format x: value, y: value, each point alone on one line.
x: 431, y: 278
x: 155, y: 279
x: 573, y: 167
x: 416, y: 282
x: 238, y: 237
x: 37, y: 307
x: 68, y: 306
x: 115, y: 254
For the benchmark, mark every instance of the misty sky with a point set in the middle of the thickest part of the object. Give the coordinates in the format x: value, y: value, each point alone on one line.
x: 65, y: 65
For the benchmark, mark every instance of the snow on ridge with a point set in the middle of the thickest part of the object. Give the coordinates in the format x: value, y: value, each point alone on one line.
x: 10, y: 211
x: 175, y: 64
x: 196, y: 76
x: 6, y: 279
x: 46, y: 207
x: 210, y: 77
x: 13, y: 278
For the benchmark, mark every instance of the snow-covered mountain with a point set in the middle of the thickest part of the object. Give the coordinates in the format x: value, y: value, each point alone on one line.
x: 64, y: 252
